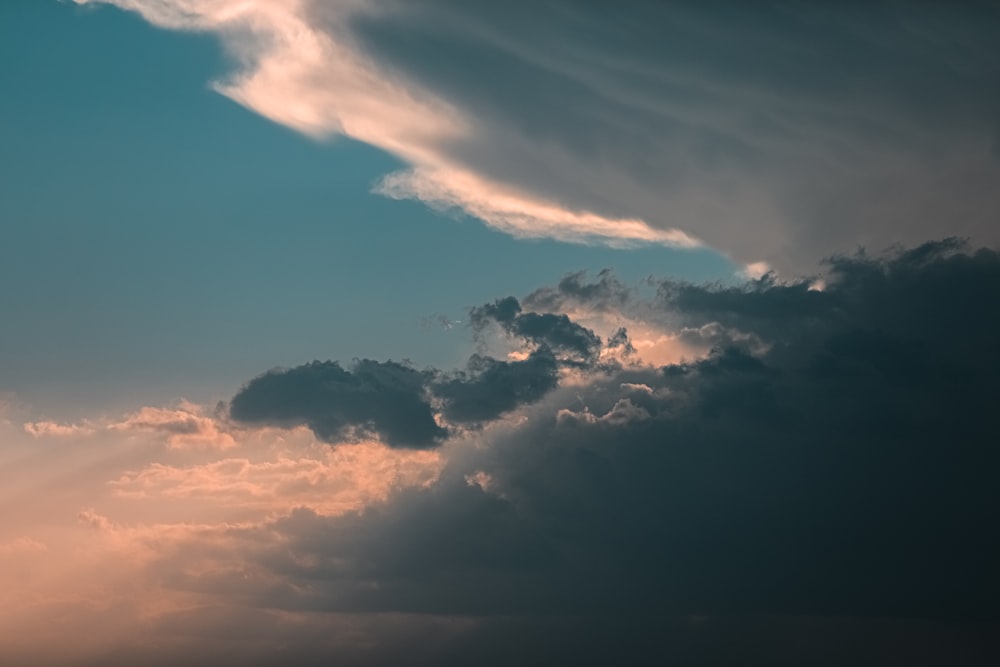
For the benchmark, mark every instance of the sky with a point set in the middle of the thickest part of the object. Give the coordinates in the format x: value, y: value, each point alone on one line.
x: 369, y: 331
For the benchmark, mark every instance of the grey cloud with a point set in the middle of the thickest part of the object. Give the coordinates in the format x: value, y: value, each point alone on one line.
x: 935, y: 274
x: 776, y: 131
x: 603, y: 294
x: 386, y: 398
x: 847, y: 470
x: 213, y: 636
x: 394, y: 401
x: 619, y: 340
x: 555, y: 331
x: 503, y: 311
x: 489, y: 387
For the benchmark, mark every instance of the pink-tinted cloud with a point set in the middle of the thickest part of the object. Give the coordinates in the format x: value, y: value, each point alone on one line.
x: 43, y: 429
x: 331, y: 480
x: 22, y: 545
x: 184, y: 426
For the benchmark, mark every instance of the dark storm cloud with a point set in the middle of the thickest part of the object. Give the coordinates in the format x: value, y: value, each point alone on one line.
x: 847, y: 469
x: 386, y: 398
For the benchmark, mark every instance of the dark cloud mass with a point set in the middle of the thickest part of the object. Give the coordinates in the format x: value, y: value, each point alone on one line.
x: 557, y: 332
x: 392, y: 400
x: 386, y: 398
x: 844, y: 466
x: 491, y: 387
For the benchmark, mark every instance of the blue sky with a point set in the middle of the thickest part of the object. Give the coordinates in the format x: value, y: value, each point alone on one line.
x: 164, y: 242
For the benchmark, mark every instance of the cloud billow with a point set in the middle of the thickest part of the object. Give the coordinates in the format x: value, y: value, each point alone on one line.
x: 555, y: 331
x: 491, y: 387
x: 385, y: 398
x: 395, y: 402
x: 848, y: 468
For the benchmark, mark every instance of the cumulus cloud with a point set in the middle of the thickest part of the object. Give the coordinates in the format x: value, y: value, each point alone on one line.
x: 606, y: 293
x: 410, y: 408
x: 387, y: 399
x: 490, y: 387
x: 554, y: 331
x: 777, y: 133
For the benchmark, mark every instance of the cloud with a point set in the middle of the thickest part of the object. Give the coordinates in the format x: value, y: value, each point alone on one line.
x: 844, y: 468
x: 22, y: 545
x: 41, y: 429
x: 776, y: 134
x: 555, y: 331
x: 409, y: 408
x: 301, y: 66
x: 331, y: 480
x: 387, y: 399
x: 831, y: 476
x: 607, y: 293
x: 490, y: 387
x: 184, y: 427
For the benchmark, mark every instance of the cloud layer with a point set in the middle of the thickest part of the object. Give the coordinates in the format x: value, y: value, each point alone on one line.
x: 823, y: 465
x: 845, y: 469
x: 775, y: 133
